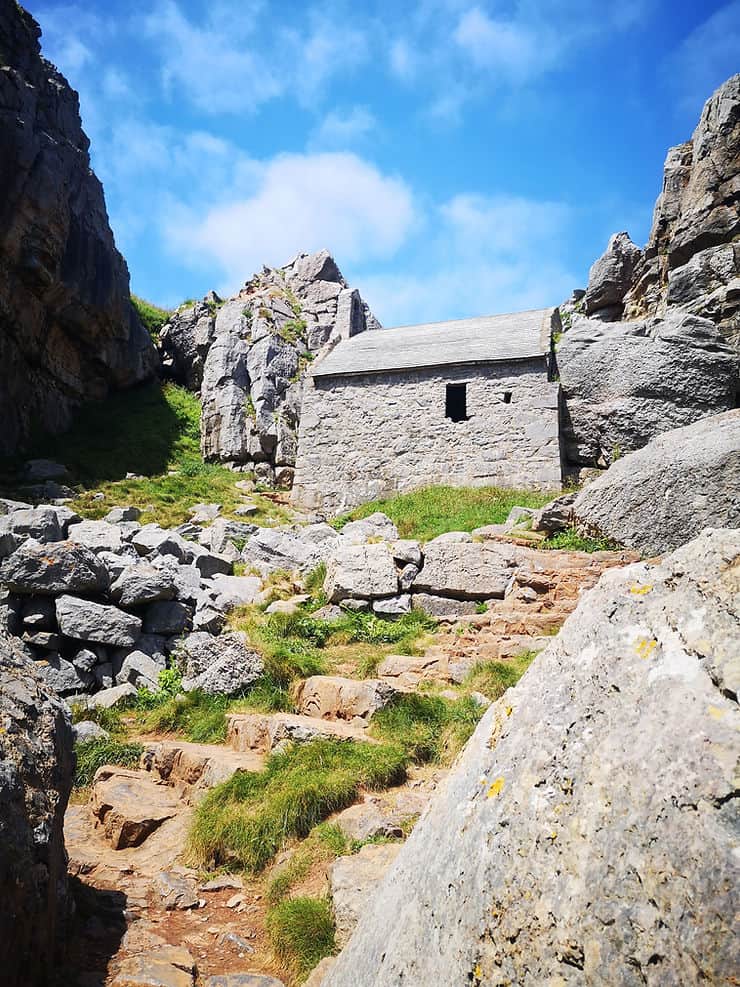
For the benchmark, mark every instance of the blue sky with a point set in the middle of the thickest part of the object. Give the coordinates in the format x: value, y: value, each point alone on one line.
x: 457, y: 157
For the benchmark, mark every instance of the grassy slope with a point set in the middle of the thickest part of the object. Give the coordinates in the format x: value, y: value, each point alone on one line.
x: 424, y: 514
x: 148, y: 431
x: 152, y: 316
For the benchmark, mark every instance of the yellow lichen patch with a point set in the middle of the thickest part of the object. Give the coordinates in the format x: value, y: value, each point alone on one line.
x: 496, y: 788
x: 637, y: 590
x: 509, y: 710
x: 645, y: 647
x: 716, y: 712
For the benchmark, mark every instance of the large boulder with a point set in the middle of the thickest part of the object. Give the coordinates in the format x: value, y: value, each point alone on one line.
x: 623, y: 383
x: 610, y: 277
x: 53, y: 568
x: 224, y: 665
x: 84, y: 620
x: 587, y: 834
x: 361, y: 572
x: 36, y: 770
x: 663, y: 495
x: 70, y: 332
x: 465, y: 570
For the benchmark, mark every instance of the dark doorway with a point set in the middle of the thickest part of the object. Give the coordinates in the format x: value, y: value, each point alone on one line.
x: 456, y: 402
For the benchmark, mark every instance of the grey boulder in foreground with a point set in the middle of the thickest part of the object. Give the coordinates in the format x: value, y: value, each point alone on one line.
x: 661, y: 496
x: 586, y: 835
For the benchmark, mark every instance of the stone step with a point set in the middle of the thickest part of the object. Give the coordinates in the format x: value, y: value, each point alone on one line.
x: 263, y: 732
x: 332, y: 697
x: 194, y: 768
x: 129, y: 806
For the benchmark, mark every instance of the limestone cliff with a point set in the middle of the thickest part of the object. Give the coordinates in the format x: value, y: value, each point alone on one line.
x: 36, y: 768
x: 248, y: 356
x: 692, y: 258
x: 68, y: 331
x: 586, y: 836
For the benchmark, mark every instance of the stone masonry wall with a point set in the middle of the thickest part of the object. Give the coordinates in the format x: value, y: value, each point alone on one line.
x: 374, y: 435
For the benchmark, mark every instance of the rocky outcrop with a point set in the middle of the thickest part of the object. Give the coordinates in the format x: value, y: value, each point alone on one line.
x: 663, y: 495
x: 68, y: 330
x: 248, y: 355
x: 691, y: 258
x: 610, y: 278
x: 624, y: 383
x: 36, y: 769
x: 586, y: 835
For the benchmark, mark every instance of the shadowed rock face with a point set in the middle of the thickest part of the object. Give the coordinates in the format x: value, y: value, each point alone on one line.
x: 36, y: 768
x: 68, y: 332
x: 586, y: 835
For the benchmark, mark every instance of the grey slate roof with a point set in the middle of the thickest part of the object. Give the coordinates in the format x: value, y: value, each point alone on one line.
x: 487, y: 339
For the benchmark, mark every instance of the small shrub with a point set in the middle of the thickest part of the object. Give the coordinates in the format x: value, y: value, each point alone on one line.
x: 572, y: 541
x: 93, y: 754
x: 302, y: 932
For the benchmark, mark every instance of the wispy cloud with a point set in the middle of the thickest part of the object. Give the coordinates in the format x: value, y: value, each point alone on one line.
x: 488, y: 254
x: 297, y: 202
x: 342, y: 129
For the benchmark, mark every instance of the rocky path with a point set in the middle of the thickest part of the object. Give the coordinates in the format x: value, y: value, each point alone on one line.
x: 154, y: 920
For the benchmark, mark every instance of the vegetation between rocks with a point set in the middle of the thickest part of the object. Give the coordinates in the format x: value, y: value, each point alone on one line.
x: 246, y: 820
x: 301, y: 931
x: 424, y: 514
x: 93, y: 754
x: 493, y: 678
x: 427, y: 727
x: 152, y: 316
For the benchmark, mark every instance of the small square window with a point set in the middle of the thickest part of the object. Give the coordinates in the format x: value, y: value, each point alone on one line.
x: 456, y: 402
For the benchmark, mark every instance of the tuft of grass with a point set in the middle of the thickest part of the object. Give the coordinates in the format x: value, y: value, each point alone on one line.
x: 152, y: 316
x: 493, y: 678
x: 572, y: 541
x: 93, y: 754
x: 196, y: 715
x: 108, y: 719
x: 313, y: 581
x: 246, y: 820
x: 325, y: 842
x: 427, y: 727
x: 424, y: 514
x: 302, y: 932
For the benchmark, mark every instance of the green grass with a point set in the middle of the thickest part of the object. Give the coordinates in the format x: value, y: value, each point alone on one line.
x: 93, y: 754
x: 299, y: 645
x: 325, y: 842
x: 427, y: 728
x: 108, y: 719
x: 493, y: 678
x: 572, y: 541
x: 147, y: 430
x: 424, y: 514
x: 196, y: 715
x: 246, y: 820
x: 301, y: 931
x: 152, y: 316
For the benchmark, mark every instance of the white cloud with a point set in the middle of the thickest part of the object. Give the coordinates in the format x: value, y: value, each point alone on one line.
x: 489, y: 255
x: 298, y: 202
x: 706, y: 57
x: 339, y: 129
x: 509, y: 47
x: 403, y: 60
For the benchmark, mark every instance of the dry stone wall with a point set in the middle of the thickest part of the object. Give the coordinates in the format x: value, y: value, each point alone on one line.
x: 374, y: 435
